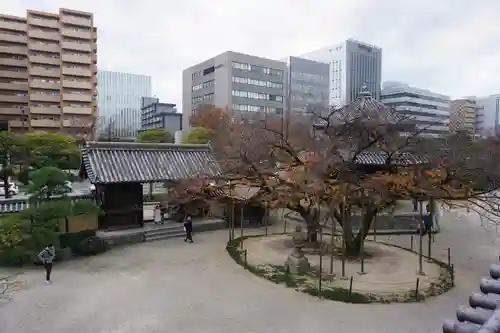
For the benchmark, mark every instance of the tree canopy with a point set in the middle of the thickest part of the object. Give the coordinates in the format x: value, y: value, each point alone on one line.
x: 51, y: 149
x: 198, y: 135
x: 210, y: 117
x: 155, y: 135
x: 360, y: 161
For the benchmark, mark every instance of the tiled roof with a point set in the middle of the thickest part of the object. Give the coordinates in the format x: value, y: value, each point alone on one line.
x: 380, y: 158
x: 118, y: 162
x: 365, y: 108
x: 483, y: 315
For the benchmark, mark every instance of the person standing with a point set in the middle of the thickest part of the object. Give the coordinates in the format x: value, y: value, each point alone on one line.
x: 188, y: 228
x: 47, y: 256
x: 157, y: 215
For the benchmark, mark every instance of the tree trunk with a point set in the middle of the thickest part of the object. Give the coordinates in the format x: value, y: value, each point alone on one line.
x: 311, y: 218
x: 353, y: 241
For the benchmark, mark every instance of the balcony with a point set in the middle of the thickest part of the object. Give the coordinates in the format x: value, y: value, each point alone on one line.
x: 75, y: 20
x: 13, y: 99
x: 45, y: 98
x: 14, y: 62
x: 48, y: 35
x: 77, y: 84
x: 79, y: 122
x: 77, y: 97
x: 17, y: 124
x: 76, y: 33
x: 45, y: 123
x: 14, y: 75
x: 77, y: 59
x: 37, y: 71
x: 13, y: 38
x: 16, y: 26
x: 18, y: 86
x: 85, y: 47
x: 42, y: 110
x: 76, y: 71
x: 14, y: 50
x: 77, y: 110
x: 39, y: 59
x: 52, y: 47
x: 11, y: 111
x: 44, y: 85
x: 43, y: 23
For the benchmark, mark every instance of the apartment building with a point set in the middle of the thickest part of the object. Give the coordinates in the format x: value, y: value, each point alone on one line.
x: 353, y: 65
x: 160, y: 115
x: 429, y: 111
x: 48, y: 72
x: 488, y: 115
x: 463, y: 115
x: 240, y: 82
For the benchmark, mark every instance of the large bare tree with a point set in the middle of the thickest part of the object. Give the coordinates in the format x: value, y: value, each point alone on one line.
x: 363, y: 158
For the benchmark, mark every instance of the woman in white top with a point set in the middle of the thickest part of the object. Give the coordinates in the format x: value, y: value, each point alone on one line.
x: 157, y: 214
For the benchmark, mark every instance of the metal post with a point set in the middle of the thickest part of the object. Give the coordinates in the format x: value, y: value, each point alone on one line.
x: 343, y: 240
x: 233, y: 224
x: 320, y: 262
x: 362, y: 230
x: 332, y: 245
x: 429, y: 227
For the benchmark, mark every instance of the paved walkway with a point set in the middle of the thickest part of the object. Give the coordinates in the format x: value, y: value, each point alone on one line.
x: 170, y: 286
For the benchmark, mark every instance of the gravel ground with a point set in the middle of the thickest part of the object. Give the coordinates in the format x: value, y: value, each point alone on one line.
x: 170, y: 286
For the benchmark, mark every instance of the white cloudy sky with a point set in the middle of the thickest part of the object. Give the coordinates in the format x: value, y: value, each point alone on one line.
x: 449, y: 46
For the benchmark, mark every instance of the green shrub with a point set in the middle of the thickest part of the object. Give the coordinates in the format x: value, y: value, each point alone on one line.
x: 92, y: 245
x: 24, y: 176
x: 74, y: 239
x: 12, y: 241
x: 338, y: 294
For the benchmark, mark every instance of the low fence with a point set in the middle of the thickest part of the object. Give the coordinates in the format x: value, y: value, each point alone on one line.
x: 17, y: 205
x: 340, y: 284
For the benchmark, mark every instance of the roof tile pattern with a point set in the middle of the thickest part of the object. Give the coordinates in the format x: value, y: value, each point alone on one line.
x: 381, y: 158
x: 111, y: 162
x: 483, y: 315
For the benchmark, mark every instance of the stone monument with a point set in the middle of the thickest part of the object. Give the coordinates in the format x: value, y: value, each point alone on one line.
x: 296, y: 262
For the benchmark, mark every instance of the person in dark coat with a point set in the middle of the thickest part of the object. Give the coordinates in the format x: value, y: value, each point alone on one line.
x: 188, y: 228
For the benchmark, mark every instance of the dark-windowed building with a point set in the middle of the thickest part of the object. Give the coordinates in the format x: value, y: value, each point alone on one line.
x: 160, y: 115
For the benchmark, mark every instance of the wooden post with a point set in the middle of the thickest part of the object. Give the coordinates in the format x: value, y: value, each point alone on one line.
x: 343, y: 239
x: 420, y: 243
x: 332, y: 245
x: 241, y: 225
x: 417, y: 284
x: 266, y: 218
x: 233, y: 224
x: 350, y: 288
x: 362, y: 247
x: 320, y: 261
x: 431, y: 222
x: 375, y: 228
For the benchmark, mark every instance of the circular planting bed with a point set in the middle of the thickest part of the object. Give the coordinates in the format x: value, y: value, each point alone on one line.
x: 388, y: 274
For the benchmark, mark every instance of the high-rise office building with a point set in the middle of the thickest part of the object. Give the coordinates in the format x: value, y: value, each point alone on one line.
x: 353, y: 64
x: 308, y: 81
x: 463, y: 115
x: 240, y: 82
x: 119, y: 102
x: 487, y: 115
x: 48, y: 72
x: 428, y: 110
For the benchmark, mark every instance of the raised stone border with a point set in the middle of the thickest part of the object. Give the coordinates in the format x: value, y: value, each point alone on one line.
x: 279, y: 275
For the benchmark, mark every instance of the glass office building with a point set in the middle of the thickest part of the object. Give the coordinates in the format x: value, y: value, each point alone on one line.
x: 119, y: 102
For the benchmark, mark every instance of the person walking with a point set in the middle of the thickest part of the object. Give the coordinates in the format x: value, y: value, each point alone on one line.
x: 47, y: 256
x: 188, y: 229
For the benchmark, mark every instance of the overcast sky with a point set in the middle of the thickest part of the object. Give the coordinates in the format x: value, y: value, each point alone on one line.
x: 448, y: 46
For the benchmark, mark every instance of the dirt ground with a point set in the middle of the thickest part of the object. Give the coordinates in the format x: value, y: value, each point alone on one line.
x: 387, y: 269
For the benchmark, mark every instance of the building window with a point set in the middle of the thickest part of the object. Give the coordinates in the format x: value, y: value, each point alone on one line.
x: 254, y: 68
x: 259, y: 83
x: 256, y: 95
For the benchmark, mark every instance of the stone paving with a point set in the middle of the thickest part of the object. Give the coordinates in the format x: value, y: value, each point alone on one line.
x: 170, y: 286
